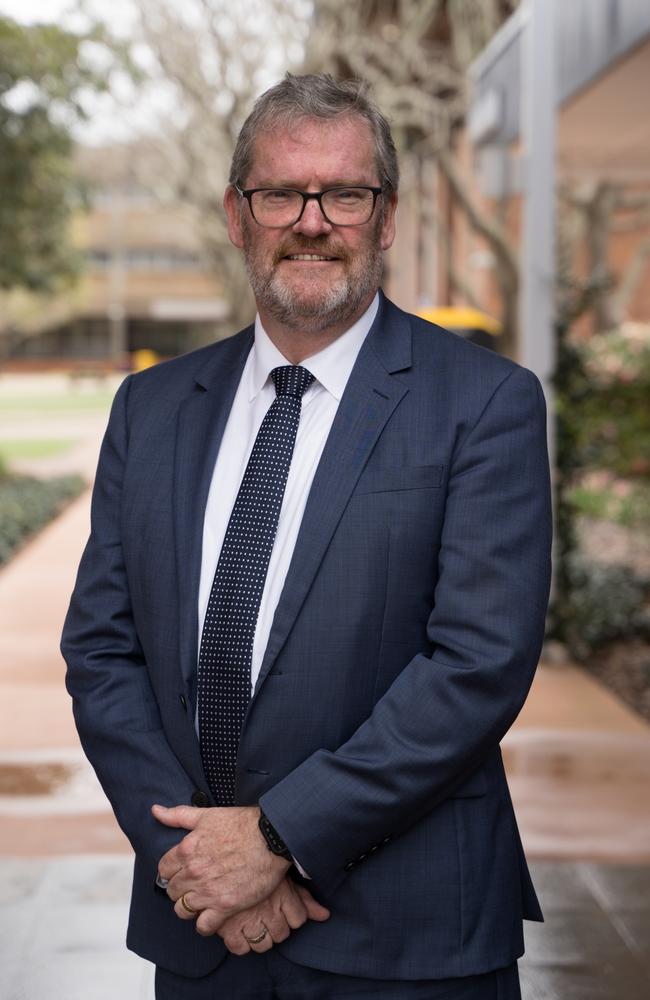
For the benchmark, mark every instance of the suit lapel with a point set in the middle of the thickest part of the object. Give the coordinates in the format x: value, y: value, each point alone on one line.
x: 202, y: 419
x: 370, y: 397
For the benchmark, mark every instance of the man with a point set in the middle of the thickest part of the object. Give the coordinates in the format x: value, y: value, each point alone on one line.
x: 312, y: 604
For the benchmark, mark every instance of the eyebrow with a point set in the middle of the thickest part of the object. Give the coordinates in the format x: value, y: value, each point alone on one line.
x: 297, y: 187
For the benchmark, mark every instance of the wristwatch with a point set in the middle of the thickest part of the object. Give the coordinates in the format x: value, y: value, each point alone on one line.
x: 274, y: 841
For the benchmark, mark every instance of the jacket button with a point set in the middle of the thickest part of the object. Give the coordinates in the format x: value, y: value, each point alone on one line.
x: 349, y: 866
x: 200, y: 799
x: 184, y: 702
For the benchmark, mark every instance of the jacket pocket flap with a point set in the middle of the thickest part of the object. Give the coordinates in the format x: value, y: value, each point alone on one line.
x: 384, y: 479
x: 472, y: 787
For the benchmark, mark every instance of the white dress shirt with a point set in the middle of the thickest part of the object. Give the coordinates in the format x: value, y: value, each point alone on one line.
x: 331, y: 369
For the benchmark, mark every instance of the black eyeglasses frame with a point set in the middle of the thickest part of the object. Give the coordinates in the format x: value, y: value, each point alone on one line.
x: 317, y: 196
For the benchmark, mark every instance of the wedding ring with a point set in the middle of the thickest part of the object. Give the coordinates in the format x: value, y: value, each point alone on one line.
x: 186, y: 906
x: 260, y: 937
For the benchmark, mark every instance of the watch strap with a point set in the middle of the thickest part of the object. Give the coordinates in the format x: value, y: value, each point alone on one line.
x: 274, y: 841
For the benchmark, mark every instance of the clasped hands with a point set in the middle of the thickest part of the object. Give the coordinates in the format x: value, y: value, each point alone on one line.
x: 223, y: 876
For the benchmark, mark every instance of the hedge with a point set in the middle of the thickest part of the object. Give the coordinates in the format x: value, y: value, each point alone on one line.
x: 27, y: 504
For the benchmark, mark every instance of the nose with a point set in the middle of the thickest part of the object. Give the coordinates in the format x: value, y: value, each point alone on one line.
x: 312, y: 222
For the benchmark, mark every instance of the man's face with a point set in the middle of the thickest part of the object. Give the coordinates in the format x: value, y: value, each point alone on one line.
x: 313, y: 294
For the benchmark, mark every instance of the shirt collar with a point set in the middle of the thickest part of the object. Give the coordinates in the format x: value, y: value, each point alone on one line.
x: 331, y: 366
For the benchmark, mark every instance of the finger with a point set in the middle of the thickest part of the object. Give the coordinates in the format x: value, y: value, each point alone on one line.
x: 167, y: 869
x: 315, y: 910
x: 237, y: 945
x: 208, y: 922
x: 178, y: 857
x: 250, y: 933
x: 231, y: 935
x: 185, y: 817
x: 294, y: 909
x: 170, y: 864
x: 200, y: 902
x: 277, y: 926
x: 195, y: 876
x: 185, y: 867
x: 184, y: 911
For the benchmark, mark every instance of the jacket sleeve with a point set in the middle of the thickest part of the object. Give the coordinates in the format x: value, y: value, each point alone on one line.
x: 114, y: 706
x: 445, y: 712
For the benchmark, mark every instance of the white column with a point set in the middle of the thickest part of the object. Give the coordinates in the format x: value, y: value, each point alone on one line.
x: 538, y: 117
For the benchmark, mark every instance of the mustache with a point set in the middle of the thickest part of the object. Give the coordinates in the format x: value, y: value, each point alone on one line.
x: 327, y: 248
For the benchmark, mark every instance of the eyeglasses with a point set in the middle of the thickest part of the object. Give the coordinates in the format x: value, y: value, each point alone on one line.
x: 275, y: 208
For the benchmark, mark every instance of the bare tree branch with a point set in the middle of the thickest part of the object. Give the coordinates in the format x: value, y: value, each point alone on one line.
x: 414, y: 54
x: 599, y: 204
x: 217, y: 57
x: 495, y: 235
x: 631, y: 278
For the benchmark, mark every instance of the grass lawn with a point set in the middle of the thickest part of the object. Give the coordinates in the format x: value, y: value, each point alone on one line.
x: 33, y: 448
x: 60, y: 403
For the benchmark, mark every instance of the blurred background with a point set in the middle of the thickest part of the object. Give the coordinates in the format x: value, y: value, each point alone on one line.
x: 524, y: 224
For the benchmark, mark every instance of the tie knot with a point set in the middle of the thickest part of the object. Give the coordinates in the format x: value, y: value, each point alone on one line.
x: 291, y: 380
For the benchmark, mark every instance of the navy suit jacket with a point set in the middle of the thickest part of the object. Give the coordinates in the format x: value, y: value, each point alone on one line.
x: 402, y: 648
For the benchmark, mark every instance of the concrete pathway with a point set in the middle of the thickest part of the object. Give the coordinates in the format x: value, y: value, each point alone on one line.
x: 63, y: 921
x: 578, y: 763
x: 43, y: 772
x: 62, y: 930
x: 595, y: 941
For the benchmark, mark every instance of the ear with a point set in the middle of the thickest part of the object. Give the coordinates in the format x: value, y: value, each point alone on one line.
x: 232, y: 203
x: 388, y: 225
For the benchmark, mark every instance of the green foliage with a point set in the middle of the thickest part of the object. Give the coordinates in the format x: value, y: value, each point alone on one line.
x: 43, y: 74
x: 623, y: 501
x: 46, y: 403
x: 603, y: 468
x: 603, y: 603
x: 613, y: 418
x: 571, y: 385
x: 28, y: 504
x: 21, y: 448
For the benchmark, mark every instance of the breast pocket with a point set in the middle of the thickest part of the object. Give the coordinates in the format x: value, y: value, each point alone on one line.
x: 389, y: 479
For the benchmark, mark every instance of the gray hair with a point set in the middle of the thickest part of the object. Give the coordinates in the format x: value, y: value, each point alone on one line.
x: 316, y: 97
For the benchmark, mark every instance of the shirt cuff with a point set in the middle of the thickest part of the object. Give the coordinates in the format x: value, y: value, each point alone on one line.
x: 300, y: 868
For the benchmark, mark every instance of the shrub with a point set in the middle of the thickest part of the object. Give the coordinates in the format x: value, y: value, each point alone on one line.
x: 603, y: 467
x: 27, y: 504
x: 605, y: 602
x: 600, y: 494
x: 612, y: 417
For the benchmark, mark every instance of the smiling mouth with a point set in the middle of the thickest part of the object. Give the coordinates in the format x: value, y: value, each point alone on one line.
x: 308, y: 257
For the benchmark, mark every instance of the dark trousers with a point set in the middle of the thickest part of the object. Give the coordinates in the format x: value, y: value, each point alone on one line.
x: 271, y: 977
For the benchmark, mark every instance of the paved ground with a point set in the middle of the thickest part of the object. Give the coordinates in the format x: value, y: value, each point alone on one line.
x: 595, y: 942
x: 578, y: 763
x: 62, y: 924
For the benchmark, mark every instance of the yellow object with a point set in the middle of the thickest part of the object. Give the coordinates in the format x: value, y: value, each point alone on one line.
x: 461, y: 318
x: 144, y: 358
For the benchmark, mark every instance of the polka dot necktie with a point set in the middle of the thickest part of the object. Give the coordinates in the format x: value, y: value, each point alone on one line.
x: 225, y: 656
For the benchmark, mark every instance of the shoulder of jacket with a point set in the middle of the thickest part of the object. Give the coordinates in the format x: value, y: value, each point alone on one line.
x: 178, y: 374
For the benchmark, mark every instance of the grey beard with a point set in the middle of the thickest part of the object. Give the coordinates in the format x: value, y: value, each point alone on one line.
x: 338, y: 304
